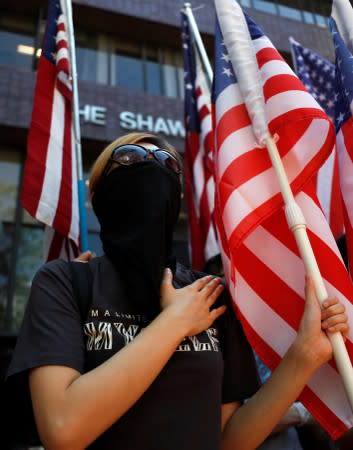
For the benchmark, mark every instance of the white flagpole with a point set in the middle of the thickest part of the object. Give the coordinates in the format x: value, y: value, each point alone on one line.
x: 67, y: 8
x: 201, y: 48
x: 242, y: 55
x: 342, y: 12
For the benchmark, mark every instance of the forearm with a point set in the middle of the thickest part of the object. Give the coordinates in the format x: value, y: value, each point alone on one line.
x: 256, y: 419
x: 95, y: 400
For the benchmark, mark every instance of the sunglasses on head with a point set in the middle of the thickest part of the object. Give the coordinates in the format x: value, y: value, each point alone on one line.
x: 128, y: 154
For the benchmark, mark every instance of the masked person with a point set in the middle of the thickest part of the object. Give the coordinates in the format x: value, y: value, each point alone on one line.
x: 160, y: 361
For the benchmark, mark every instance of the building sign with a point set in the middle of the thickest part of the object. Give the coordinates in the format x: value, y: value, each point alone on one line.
x: 134, y: 121
x: 94, y: 114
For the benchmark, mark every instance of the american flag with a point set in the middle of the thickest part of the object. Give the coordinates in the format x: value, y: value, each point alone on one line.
x: 344, y: 131
x: 318, y: 76
x: 199, y: 178
x: 262, y: 263
x: 49, y: 190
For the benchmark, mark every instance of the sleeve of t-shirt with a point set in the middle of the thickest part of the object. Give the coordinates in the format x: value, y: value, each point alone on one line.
x: 240, y: 376
x: 51, y: 330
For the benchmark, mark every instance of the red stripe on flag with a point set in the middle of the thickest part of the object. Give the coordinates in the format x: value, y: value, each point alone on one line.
x: 283, y: 300
x: 38, y: 138
x: 63, y: 214
x: 234, y: 119
x: 264, y: 55
x: 282, y: 83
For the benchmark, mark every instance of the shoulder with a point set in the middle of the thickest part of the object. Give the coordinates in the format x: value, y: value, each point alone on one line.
x: 57, y: 268
x: 60, y: 270
x: 51, y: 286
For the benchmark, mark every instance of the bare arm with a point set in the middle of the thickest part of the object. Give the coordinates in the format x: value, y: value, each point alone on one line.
x: 247, y: 426
x: 72, y: 410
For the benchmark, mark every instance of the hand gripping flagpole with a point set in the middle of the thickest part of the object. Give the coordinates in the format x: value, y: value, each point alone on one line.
x: 242, y: 55
x: 67, y: 7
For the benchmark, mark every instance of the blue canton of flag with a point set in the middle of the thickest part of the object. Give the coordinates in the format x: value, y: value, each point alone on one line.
x: 344, y: 131
x: 223, y: 67
x: 49, y: 47
x: 344, y: 78
x: 317, y: 74
x: 189, y: 76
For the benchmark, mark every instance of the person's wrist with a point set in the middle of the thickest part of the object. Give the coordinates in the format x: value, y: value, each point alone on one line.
x: 303, y: 356
x: 175, y: 322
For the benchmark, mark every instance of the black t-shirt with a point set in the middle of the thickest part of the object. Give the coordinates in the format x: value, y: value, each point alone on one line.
x: 181, y: 409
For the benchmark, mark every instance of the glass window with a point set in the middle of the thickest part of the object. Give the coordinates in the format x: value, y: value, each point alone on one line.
x: 173, y: 74
x: 103, y: 59
x: 127, y: 69
x: 9, y: 180
x: 86, y: 60
x: 290, y: 13
x: 169, y: 73
x: 30, y: 257
x: 86, y: 56
x: 179, y: 64
x: 16, y: 50
x: 268, y: 7
x: 129, y: 72
x: 308, y: 17
x: 17, y: 41
x: 321, y: 21
x: 246, y: 3
x: 153, y: 72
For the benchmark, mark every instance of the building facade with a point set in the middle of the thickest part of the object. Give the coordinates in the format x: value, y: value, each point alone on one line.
x: 130, y: 77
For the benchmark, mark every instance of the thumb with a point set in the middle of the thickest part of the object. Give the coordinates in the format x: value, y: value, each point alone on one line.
x: 166, y: 281
x: 311, y: 300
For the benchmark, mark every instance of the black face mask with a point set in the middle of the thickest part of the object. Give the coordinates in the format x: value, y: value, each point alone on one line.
x: 137, y: 207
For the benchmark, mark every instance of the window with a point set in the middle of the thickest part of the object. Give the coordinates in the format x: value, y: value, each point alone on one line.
x: 86, y: 56
x: 170, y: 74
x: 290, y: 13
x: 9, y: 179
x: 29, y: 259
x: 246, y: 3
x: 321, y: 21
x: 268, y: 7
x: 127, y: 66
x: 153, y: 72
x: 16, y: 50
x: 308, y: 17
x: 99, y: 58
x: 148, y: 69
x: 17, y: 41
